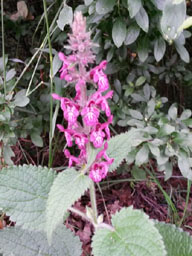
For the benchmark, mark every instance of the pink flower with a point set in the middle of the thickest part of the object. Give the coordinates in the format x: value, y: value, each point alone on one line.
x: 90, y: 115
x: 81, y: 140
x: 70, y: 109
x: 103, y: 154
x: 68, y: 134
x: 97, y: 138
x: 71, y: 158
x: 98, y: 171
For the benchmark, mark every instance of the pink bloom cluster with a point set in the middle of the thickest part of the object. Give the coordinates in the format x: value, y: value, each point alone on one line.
x: 82, y: 113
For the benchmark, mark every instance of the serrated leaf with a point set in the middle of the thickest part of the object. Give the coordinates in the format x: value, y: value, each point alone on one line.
x: 134, y: 7
x: 134, y: 234
x: 159, y: 49
x: 23, y: 194
x: 119, y: 32
x: 19, y: 242
x: 67, y: 188
x: 119, y: 146
x: 65, y: 17
x: 177, y: 242
x: 104, y: 6
x: 132, y: 34
x: 142, y: 19
x: 142, y: 155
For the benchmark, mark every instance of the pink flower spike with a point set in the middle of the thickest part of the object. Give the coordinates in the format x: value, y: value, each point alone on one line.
x: 56, y: 96
x: 81, y: 140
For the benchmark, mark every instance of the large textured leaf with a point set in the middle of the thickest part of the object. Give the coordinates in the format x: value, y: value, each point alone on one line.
x: 119, y: 32
x: 177, y: 242
x: 68, y: 187
x: 23, y: 194
x: 134, y: 235
x: 17, y: 242
x: 119, y: 146
x: 104, y: 6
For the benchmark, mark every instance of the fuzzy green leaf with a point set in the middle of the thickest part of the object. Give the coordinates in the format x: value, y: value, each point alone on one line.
x: 134, y: 234
x: 67, y: 188
x: 177, y: 242
x: 119, y: 146
x: 23, y: 194
x: 18, y: 242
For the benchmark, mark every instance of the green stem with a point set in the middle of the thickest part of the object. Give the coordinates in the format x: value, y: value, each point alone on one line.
x: 93, y: 201
x: 167, y: 197
x: 3, y: 49
x: 186, y: 202
x: 51, y: 82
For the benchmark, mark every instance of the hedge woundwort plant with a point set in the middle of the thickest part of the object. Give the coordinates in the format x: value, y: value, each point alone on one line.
x: 37, y: 198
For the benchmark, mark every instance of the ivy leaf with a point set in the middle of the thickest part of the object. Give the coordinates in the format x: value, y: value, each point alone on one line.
x: 177, y: 242
x: 104, y: 6
x: 136, y: 114
x: 142, y: 19
x: 134, y: 234
x: 132, y: 34
x: 119, y: 146
x: 159, y: 49
x: 133, y: 7
x: 16, y: 241
x: 65, y: 17
x: 23, y: 194
x: 8, y: 154
x: 67, y: 188
x: 119, y: 32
